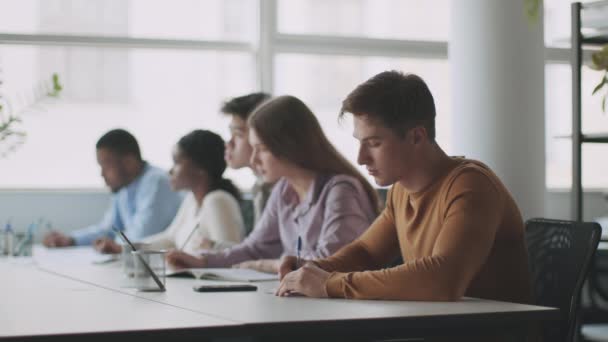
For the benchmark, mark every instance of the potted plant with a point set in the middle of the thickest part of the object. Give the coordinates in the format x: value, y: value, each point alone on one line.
x: 11, y: 136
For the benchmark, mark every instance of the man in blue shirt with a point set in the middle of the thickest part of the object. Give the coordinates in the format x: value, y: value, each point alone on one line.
x: 142, y: 202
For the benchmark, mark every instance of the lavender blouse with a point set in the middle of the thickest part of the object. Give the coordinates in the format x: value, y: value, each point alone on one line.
x: 335, y: 212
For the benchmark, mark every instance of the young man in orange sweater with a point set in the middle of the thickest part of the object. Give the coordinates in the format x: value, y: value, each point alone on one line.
x: 452, y: 220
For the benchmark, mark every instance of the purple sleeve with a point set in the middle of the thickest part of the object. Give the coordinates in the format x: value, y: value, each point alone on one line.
x: 264, y: 242
x: 348, y: 213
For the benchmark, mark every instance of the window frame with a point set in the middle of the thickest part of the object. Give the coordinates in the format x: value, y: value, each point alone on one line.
x: 268, y: 43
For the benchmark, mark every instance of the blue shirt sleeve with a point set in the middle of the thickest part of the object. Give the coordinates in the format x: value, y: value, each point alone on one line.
x: 86, y: 236
x: 155, y: 207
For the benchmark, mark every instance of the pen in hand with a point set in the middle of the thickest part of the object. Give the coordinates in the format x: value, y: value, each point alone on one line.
x: 299, y: 252
x: 189, y: 236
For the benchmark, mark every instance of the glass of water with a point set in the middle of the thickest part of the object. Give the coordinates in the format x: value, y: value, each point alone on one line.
x: 142, y: 279
x: 127, y: 259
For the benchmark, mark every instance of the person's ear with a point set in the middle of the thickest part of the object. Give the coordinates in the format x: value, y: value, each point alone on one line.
x: 130, y: 162
x: 418, y: 134
x: 202, y: 173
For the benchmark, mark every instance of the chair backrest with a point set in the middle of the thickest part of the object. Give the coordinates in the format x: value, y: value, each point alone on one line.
x: 560, y: 254
x: 248, y: 215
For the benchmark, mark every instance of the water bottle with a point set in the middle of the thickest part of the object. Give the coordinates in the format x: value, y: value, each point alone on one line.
x: 23, y: 247
x: 9, y: 239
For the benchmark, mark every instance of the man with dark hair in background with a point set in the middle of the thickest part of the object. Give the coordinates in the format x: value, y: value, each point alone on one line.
x: 142, y: 201
x: 238, y: 149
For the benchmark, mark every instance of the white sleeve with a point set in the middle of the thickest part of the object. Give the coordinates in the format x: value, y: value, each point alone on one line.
x: 166, y: 238
x: 221, y: 217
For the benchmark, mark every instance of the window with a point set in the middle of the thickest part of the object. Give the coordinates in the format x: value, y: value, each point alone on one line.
x: 158, y: 95
x: 558, y: 109
x: 387, y: 19
x: 162, y: 68
x: 178, y: 19
x: 315, y: 62
x: 335, y: 76
x: 557, y: 22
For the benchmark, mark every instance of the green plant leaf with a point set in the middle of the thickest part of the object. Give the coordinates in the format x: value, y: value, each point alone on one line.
x: 599, y: 59
x: 57, y: 87
x: 531, y: 8
x: 599, y: 86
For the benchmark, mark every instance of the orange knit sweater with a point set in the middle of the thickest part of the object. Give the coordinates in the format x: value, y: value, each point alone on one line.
x: 461, y: 236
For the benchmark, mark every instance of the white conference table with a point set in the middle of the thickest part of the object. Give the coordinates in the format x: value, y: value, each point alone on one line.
x: 61, y: 295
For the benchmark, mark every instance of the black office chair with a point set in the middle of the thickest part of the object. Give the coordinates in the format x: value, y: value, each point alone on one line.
x: 595, y: 299
x: 560, y: 254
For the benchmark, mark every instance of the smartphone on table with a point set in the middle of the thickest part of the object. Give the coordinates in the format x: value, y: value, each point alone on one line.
x: 224, y: 288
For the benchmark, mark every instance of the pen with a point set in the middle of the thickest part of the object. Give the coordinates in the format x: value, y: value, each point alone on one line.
x: 299, y: 250
x: 189, y: 236
x: 141, y: 259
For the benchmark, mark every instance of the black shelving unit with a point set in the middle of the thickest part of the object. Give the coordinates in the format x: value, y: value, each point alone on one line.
x: 583, y: 37
x: 578, y: 41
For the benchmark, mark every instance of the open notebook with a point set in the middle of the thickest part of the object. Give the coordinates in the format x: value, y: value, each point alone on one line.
x: 226, y: 274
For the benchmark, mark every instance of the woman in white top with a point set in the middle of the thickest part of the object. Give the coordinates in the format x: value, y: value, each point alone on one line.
x: 210, y: 216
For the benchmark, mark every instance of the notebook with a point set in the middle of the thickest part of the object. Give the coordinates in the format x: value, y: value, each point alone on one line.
x: 225, y: 274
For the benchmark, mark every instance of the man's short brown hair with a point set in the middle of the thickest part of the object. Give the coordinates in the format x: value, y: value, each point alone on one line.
x: 243, y: 106
x: 400, y: 101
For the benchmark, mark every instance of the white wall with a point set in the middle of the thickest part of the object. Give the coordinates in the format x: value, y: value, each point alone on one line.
x: 66, y: 210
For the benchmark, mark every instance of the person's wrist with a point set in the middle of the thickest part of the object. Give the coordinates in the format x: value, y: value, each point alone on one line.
x: 275, y: 265
x: 115, y: 247
x: 324, y: 287
x: 311, y: 263
x: 332, y: 285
